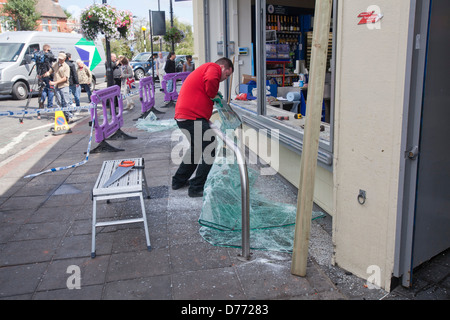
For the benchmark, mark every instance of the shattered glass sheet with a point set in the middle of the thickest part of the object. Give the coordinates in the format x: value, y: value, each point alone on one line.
x: 230, y: 120
x: 272, y: 224
x: 152, y: 124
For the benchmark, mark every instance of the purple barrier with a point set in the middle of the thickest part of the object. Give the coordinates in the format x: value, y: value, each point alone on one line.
x: 173, y: 95
x: 108, y: 127
x: 147, y: 93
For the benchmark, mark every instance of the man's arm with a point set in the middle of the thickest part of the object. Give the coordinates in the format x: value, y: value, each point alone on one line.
x: 212, y: 81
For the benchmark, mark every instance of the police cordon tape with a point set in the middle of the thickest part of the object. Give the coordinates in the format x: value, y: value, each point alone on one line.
x: 68, y: 167
x: 90, y: 106
x: 51, y: 110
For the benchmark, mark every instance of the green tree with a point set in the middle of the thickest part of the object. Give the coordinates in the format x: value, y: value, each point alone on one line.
x: 122, y: 46
x: 68, y: 14
x: 21, y: 12
x: 186, y: 46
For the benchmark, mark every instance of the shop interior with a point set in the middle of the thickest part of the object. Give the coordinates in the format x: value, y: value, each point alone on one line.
x: 289, y: 31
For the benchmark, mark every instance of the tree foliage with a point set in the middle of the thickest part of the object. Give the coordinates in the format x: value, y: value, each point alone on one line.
x: 186, y: 46
x: 22, y: 14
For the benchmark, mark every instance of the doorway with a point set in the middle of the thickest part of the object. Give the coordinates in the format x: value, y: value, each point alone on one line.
x: 426, y: 204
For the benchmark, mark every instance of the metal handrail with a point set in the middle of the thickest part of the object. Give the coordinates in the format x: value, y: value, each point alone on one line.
x: 245, y: 192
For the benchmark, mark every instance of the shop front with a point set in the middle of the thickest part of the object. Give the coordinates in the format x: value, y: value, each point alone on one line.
x: 368, y: 176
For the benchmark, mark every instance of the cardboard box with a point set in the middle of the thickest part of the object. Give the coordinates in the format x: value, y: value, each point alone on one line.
x: 247, y: 78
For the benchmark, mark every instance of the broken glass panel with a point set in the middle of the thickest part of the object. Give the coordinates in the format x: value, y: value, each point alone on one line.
x: 272, y: 223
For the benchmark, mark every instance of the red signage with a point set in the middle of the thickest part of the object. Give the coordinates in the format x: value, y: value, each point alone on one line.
x: 369, y: 17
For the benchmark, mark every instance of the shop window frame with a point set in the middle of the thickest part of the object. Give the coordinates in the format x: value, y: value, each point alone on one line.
x: 291, y: 137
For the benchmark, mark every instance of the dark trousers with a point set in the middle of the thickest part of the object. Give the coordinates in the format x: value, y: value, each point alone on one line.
x: 196, y: 158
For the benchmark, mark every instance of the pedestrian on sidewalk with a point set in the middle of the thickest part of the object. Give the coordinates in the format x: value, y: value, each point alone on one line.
x: 74, y: 84
x: 160, y: 64
x: 61, y: 72
x: 115, y: 68
x: 193, y: 110
x: 188, y: 66
x: 84, y: 77
x: 47, y: 91
x: 127, y: 78
x: 170, y: 68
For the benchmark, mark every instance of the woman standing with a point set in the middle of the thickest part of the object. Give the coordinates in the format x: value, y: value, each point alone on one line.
x: 160, y: 64
x: 188, y: 66
x: 170, y: 68
x: 126, y: 73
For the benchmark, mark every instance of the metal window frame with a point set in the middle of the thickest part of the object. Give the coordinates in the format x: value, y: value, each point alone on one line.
x: 325, y: 148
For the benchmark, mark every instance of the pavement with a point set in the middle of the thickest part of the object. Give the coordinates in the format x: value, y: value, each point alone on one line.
x: 45, y: 235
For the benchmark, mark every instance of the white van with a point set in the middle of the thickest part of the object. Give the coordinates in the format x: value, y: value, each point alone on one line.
x: 17, y: 46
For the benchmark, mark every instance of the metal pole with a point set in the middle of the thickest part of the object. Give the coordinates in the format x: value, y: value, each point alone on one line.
x: 245, y: 192
x: 151, y: 42
x: 160, y: 38
x: 171, y: 24
x: 261, y: 55
x: 109, y: 75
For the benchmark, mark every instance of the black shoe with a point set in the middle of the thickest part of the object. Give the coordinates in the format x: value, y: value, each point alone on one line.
x: 195, y: 194
x: 180, y: 185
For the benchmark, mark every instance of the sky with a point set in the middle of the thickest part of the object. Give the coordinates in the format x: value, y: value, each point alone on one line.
x: 182, y: 10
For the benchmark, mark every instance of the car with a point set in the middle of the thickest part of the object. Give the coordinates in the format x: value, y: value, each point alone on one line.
x: 142, y: 64
x: 179, y: 61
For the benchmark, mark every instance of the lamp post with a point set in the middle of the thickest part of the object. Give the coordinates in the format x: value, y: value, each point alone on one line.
x: 171, y: 24
x: 143, y: 28
x: 160, y: 38
x: 109, y: 75
x: 151, y: 42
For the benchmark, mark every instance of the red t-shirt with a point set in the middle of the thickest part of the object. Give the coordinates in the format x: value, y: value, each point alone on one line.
x: 194, y: 101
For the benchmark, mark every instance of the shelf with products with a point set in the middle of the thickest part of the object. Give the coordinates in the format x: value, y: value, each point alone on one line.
x: 283, y: 23
x: 279, y: 74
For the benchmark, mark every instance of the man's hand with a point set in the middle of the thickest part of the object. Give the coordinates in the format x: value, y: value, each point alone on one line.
x: 218, y: 99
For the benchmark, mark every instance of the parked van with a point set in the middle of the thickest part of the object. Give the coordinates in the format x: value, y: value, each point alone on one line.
x: 18, y: 73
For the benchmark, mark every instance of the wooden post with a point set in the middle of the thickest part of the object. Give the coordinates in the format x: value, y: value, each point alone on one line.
x: 322, y: 19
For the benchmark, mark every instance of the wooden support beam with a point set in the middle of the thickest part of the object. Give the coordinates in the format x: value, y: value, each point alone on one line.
x: 322, y: 20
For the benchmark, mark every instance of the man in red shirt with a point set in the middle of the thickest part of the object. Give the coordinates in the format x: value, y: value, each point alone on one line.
x: 192, y: 112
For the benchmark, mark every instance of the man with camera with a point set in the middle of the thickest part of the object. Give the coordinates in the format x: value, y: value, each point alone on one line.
x: 47, y: 92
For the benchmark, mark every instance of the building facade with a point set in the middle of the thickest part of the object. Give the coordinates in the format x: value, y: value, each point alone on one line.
x: 381, y: 173
x: 53, y: 17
